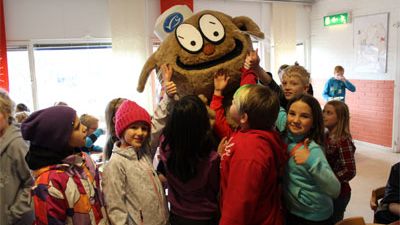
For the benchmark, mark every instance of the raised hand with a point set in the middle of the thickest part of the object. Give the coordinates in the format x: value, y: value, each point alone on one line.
x: 301, y: 156
x: 170, y: 88
x: 252, y: 60
x: 222, y: 145
x: 167, y: 72
x: 220, y: 81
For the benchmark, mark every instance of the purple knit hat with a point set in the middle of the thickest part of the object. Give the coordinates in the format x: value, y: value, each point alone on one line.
x: 49, y: 128
x: 128, y: 113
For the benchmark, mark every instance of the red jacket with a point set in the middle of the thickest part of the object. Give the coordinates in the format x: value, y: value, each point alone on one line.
x: 250, y: 168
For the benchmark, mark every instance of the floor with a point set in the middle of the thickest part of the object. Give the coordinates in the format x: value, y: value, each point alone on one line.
x: 373, y: 167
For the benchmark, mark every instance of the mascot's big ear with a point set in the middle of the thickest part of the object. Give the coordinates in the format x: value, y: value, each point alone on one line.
x: 144, y: 75
x: 246, y: 24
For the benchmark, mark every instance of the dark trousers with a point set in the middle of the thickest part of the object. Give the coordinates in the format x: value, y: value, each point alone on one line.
x: 339, y: 207
x: 295, y: 220
x: 178, y: 220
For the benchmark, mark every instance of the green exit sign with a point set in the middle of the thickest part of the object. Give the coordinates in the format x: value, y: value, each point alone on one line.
x: 337, y: 19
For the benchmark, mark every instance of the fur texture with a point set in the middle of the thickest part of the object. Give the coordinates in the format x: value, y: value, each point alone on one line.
x: 194, y: 71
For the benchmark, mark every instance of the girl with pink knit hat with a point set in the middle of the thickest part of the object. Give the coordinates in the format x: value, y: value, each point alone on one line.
x: 133, y: 193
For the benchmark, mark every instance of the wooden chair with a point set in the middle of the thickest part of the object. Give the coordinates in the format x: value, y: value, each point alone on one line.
x: 376, y: 195
x: 352, y: 221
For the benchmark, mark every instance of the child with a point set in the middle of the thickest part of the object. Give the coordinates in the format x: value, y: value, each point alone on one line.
x: 388, y: 210
x: 335, y: 87
x: 67, y: 183
x: 339, y: 149
x: 93, y: 132
x: 15, y: 178
x: 295, y: 81
x: 191, y: 164
x: 252, y: 161
x: 111, y: 109
x: 309, y: 182
x: 133, y: 193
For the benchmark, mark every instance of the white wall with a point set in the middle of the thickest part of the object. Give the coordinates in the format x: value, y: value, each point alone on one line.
x: 56, y: 19
x: 334, y: 45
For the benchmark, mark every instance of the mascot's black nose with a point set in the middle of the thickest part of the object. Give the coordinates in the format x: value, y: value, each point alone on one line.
x: 208, y: 49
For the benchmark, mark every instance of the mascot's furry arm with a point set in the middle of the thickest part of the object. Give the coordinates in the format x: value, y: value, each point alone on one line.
x: 205, y: 43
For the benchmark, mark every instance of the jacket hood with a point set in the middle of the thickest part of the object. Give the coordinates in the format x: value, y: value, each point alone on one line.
x: 9, y: 136
x: 129, y: 153
x: 276, y: 142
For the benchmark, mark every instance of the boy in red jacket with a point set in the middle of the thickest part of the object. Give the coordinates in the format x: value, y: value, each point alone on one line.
x: 252, y: 161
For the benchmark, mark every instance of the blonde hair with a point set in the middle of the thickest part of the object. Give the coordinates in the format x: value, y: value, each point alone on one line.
x: 88, y: 120
x: 299, y: 72
x: 338, y: 69
x: 6, y: 105
x: 342, y: 128
x: 259, y: 103
x: 21, y: 116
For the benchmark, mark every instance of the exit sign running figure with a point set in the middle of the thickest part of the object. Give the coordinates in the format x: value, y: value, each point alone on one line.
x: 336, y: 19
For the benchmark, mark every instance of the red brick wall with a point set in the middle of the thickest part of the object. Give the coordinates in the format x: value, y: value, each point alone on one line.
x: 371, y: 109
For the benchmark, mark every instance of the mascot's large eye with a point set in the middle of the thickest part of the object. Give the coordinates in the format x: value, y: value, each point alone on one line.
x: 211, y: 28
x: 189, y: 38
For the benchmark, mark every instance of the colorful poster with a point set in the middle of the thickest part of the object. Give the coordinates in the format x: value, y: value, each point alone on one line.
x: 3, y: 52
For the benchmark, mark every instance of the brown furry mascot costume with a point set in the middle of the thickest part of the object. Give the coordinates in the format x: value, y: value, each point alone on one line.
x: 203, y: 44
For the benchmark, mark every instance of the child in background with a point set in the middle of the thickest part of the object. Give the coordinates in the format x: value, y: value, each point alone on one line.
x: 93, y: 132
x: 67, y: 183
x: 111, y: 109
x: 191, y: 164
x: 133, y: 193
x: 310, y: 183
x: 388, y: 210
x: 252, y: 161
x: 21, y: 107
x: 335, y: 87
x: 15, y: 178
x: 339, y: 150
x: 295, y: 81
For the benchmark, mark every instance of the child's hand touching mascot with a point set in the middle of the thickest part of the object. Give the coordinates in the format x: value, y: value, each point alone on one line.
x: 203, y: 44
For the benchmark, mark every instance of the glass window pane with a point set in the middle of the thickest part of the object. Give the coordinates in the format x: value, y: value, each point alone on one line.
x: 79, y: 77
x: 19, y: 77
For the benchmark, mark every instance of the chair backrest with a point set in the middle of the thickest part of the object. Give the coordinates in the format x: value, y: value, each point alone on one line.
x: 352, y: 221
x: 376, y: 195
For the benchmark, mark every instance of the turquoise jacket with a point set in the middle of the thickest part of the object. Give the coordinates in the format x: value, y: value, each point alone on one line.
x: 280, y: 122
x: 336, y: 89
x: 309, y: 188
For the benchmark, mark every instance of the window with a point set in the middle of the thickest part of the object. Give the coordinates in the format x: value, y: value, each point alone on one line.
x: 19, y: 76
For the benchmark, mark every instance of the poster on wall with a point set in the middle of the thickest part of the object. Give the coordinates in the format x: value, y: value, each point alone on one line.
x: 370, y: 43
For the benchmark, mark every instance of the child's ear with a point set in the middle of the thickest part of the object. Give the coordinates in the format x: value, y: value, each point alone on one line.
x: 306, y: 88
x: 244, y: 118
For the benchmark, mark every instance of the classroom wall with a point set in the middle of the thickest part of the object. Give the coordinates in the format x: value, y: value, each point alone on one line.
x: 375, y: 103
x: 56, y: 19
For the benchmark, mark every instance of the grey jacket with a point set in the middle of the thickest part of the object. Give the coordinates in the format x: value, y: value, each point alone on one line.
x: 16, y: 181
x: 132, y: 191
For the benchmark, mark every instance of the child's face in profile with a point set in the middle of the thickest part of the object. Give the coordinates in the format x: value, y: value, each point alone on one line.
x: 135, y: 135
x: 235, y: 118
x: 330, y: 117
x: 79, y: 133
x: 293, y: 86
x: 92, y: 128
x: 299, y: 118
x: 3, y: 122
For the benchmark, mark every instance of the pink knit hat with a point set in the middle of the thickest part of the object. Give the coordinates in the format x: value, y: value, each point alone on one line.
x: 128, y: 113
